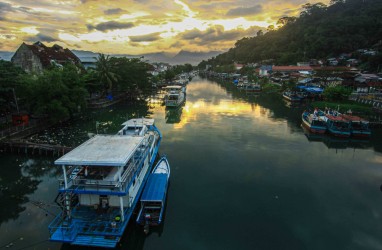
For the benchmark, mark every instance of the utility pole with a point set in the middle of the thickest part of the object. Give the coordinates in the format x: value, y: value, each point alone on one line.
x: 14, y: 96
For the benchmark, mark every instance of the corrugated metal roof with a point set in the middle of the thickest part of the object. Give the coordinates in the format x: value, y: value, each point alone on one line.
x: 155, y: 188
x: 102, y: 150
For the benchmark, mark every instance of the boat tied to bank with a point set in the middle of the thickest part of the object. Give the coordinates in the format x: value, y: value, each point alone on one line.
x: 359, y: 127
x: 154, y: 195
x: 315, y: 123
x: 176, y: 95
x: 102, y: 182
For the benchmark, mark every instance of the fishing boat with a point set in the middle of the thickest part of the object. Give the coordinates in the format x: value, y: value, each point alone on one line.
x: 359, y: 127
x: 102, y: 181
x: 338, y: 126
x: 252, y: 87
x: 292, y: 96
x: 175, y: 96
x: 315, y: 123
x: 154, y: 196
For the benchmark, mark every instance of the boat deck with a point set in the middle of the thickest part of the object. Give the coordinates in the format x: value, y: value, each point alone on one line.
x: 90, y: 226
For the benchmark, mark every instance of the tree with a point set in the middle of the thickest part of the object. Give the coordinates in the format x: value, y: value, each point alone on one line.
x: 56, y: 93
x: 9, y: 83
x: 105, y: 72
x: 337, y: 93
x: 133, y: 76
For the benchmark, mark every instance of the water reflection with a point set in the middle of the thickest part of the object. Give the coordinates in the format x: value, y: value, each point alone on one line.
x: 173, y: 115
x: 337, y: 143
x: 237, y: 156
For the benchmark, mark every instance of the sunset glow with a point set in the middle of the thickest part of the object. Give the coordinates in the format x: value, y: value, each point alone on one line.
x: 140, y: 26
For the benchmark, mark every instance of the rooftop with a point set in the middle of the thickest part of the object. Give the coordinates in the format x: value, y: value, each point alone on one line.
x: 102, y: 150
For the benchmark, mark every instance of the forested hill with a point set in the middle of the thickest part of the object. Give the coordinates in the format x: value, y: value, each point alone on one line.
x: 319, y: 32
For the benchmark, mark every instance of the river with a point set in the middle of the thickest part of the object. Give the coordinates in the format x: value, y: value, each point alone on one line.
x: 244, y: 175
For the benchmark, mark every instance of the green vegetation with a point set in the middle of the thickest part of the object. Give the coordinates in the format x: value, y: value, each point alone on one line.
x: 337, y: 93
x: 319, y: 32
x: 345, y: 106
x: 60, y: 92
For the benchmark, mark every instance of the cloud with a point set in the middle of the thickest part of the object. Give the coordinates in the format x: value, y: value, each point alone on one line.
x: 113, y: 11
x: 243, y: 11
x: 145, y: 38
x: 4, y: 9
x: 42, y: 38
x: 214, y: 38
x: 112, y: 25
x: 213, y: 34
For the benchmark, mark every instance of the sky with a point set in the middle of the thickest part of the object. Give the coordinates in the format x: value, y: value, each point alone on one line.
x: 139, y: 26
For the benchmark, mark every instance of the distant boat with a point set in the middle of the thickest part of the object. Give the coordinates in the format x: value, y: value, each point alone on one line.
x: 102, y: 181
x: 252, y: 87
x: 315, y: 123
x: 292, y: 96
x: 154, y: 196
x: 359, y: 127
x: 338, y: 126
x: 175, y: 96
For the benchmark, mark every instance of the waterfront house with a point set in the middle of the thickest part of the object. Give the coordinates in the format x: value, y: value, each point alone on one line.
x: 36, y: 57
x: 265, y: 70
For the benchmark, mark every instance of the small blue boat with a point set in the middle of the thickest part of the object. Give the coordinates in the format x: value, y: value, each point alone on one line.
x: 359, y: 127
x: 154, y: 196
x: 315, y: 123
x: 292, y: 96
x: 338, y: 126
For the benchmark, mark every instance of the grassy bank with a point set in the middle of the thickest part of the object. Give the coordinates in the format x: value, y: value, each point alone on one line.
x: 343, y: 107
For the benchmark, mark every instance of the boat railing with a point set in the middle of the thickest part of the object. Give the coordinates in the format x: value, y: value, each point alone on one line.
x: 62, y: 228
x: 79, y: 182
x: 129, y: 175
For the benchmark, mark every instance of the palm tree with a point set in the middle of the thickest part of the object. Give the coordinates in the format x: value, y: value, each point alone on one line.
x: 105, y: 72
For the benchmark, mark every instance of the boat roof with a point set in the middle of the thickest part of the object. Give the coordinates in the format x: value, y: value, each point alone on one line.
x: 138, y: 121
x: 354, y: 118
x: 102, y: 150
x: 155, y: 188
x: 336, y: 118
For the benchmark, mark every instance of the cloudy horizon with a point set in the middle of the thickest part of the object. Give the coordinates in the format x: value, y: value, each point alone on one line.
x: 139, y: 26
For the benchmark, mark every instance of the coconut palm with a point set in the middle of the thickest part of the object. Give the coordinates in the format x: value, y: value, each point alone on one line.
x: 105, y: 72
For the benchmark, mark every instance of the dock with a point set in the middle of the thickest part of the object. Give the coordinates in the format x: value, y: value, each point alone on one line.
x: 21, y: 146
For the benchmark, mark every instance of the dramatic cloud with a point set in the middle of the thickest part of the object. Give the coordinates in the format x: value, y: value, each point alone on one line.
x: 139, y: 26
x: 42, y: 38
x: 113, y: 11
x: 112, y: 25
x: 146, y: 38
x: 243, y: 11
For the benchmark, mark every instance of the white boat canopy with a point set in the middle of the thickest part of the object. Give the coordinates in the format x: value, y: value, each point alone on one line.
x: 138, y: 122
x: 103, y: 150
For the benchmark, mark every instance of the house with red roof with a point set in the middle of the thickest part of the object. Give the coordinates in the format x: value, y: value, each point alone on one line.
x: 36, y: 57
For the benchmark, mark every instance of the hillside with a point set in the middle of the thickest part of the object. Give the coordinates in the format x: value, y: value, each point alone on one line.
x: 319, y: 32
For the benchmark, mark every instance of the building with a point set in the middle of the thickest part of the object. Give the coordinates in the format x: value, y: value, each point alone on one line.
x: 37, y: 57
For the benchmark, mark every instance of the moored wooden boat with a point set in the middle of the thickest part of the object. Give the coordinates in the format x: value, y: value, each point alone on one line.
x: 292, y: 96
x: 359, y: 127
x: 314, y: 123
x: 338, y: 126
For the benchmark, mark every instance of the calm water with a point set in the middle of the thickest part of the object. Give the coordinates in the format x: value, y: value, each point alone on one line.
x: 244, y: 176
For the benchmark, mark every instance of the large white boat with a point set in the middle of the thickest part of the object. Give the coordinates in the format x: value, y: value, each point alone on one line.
x: 176, y: 95
x: 102, y: 181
